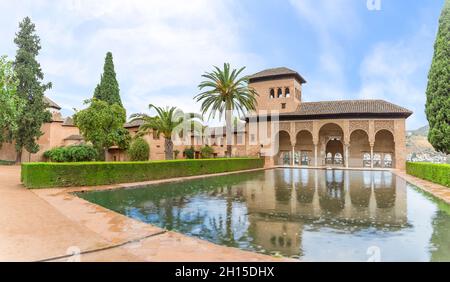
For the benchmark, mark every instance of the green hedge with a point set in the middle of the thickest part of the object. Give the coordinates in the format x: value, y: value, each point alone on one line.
x: 437, y: 173
x: 45, y: 175
x: 2, y: 162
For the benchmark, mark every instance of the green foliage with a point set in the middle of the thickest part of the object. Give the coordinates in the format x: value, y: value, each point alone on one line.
x: 30, y: 89
x: 168, y: 122
x: 108, y: 89
x: 139, y: 150
x: 76, y: 153
x: 10, y: 104
x: 6, y: 162
x: 206, y: 152
x: 438, y: 90
x: 437, y: 173
x: 102, y: 125
x: 43, y: 175
x: 175, y: 154
x: 226, y: 92
x: 189, y: 152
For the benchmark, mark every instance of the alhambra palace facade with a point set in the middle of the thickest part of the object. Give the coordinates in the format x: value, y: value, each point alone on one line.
x: 351, y: 133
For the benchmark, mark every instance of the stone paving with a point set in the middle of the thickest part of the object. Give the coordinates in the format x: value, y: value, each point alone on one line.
x: 49, y: 224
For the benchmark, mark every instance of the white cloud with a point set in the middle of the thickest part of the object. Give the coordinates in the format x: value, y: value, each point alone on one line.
x: 159, y: 47
x: 394, y: 71
x: 334, y: 23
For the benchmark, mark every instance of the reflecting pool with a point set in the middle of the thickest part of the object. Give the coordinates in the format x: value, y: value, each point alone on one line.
x: 312, y: 215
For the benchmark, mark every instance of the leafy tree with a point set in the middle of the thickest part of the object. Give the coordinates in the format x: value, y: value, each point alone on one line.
x: 206, y: 152
x: 189, y: 152
x: 102, y: 125
x: 30, y: 89
x: 175, y: 154
x: 226, y: 92
x: 10, y: 104
x: 108, y: 88
x: 438, y: 90
x: 139, y: 150
x: 168, y: 122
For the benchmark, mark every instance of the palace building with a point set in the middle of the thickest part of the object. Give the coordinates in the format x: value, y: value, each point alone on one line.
x: 350, y: 133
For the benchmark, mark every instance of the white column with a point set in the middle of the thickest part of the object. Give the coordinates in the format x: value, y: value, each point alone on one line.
x: 315, y: 155
x: 293, y: 158
x: 346, y: 154
x: 371, y: 156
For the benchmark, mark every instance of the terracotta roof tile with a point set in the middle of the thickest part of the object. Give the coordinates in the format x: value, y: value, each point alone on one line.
x: 74, y: 137
x: 276, y: 72
x: 348, y: 107
x: 51, y: 104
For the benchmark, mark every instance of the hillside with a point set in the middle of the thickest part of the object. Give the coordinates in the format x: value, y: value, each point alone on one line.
x: 418, y: 147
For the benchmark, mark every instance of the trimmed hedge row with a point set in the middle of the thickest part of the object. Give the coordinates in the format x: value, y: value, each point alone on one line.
x: 45, y: 175
x: 437, y: 173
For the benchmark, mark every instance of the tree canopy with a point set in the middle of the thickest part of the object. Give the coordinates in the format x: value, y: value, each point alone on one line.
x: 30, y: 89
x: 102, y: 125
x: 226, y: 92
x: 108, y: 88
x: 438, y: 90
x: 10, y: 104
x: 168, y: 121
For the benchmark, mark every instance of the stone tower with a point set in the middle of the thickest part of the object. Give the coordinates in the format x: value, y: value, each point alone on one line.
x: 279, y: 89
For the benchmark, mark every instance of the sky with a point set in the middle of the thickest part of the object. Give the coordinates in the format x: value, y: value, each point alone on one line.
x: 345, y: 49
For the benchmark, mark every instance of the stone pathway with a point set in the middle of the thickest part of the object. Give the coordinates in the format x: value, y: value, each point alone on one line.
x: 50, y: 224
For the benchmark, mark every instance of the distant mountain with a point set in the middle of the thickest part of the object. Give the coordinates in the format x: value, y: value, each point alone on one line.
x: 423, y: 131
x: 419, y: 148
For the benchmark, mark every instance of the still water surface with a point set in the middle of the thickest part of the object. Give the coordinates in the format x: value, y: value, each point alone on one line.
x: 313, y: 215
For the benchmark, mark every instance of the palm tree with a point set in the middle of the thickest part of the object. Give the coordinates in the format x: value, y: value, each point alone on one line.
x: 168, y: 121
x: 226, y: 92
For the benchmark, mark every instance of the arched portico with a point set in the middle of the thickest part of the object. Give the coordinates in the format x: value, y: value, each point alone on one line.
x: 384, y: 149
x: 332, y: 151
x: 284, y: 156
x: 339, y: 143
x: 359, y: 149
x: 304, y: 149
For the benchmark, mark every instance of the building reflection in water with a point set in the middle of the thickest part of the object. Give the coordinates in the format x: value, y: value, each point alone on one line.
x: 310, y: 214
x: 280, y: 206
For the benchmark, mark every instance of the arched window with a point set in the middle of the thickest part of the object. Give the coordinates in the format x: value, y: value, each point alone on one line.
x: 387, y: 160
x: 366, y: 160
x: 329, y: 158
x: 377, y: 160
x: 279, y: 93
x: 287, y: 92
x: 272, y: 94
x: 338, y: 158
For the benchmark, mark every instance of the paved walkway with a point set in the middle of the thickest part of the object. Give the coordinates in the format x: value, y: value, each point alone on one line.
x: 50, y: 224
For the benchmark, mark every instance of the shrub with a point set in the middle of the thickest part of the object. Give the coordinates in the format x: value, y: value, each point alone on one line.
x: 206, y: 152
x: 139, y: 150
x: 175, y: 154
x: 75, y: 153
x: 189, y: 153
x: 43, y: 175
x: 2, y: 162
x: 437, y: 173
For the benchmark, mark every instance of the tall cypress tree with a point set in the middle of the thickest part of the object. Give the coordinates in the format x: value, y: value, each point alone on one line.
x: 108, y: 89
x: 30, y: 89
x: 438, y: 90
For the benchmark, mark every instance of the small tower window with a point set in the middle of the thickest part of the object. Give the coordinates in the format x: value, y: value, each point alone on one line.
x: 272, y: 94
x: 287, y: 92
x: 279, y: 93
x: 283, y: 105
